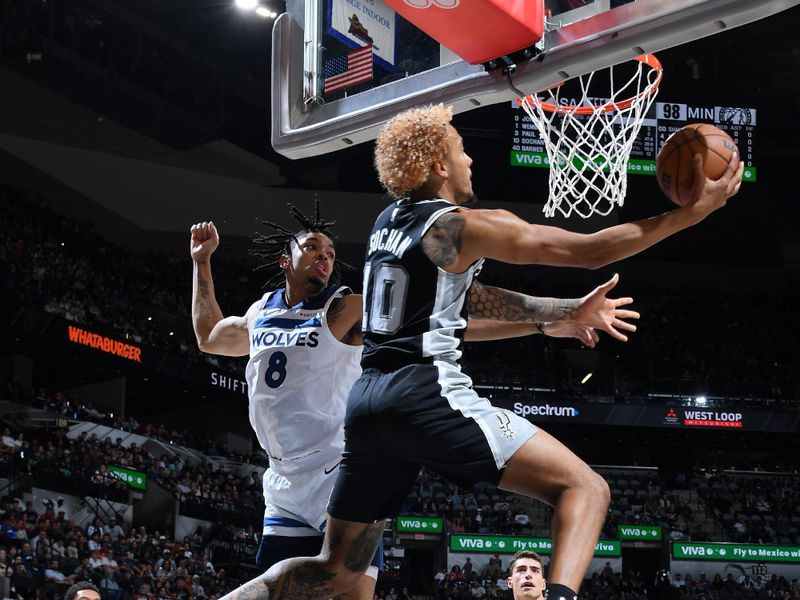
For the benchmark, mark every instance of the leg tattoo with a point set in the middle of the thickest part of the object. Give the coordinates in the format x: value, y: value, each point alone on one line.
x: 363, y: 548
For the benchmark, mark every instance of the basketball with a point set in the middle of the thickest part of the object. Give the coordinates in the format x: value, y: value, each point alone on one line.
x: 675, y: 162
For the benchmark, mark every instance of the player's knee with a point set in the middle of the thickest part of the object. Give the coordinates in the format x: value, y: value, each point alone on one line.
x: 600, y: 492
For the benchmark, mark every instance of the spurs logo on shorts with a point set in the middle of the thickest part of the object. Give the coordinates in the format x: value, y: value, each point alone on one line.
x: 504, y: 423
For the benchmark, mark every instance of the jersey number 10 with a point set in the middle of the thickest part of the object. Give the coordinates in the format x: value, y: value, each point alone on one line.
x: 384, y: 313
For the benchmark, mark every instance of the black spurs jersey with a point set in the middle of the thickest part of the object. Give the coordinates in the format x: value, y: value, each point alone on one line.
x: 414, y: 312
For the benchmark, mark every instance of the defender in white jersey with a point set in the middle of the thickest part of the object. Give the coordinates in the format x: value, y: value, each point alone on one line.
x: 303, y: 340
x: 298, y: 378
x: 413, y: 406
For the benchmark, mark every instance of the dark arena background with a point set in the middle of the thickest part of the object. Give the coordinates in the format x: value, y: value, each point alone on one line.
x: 127, y: 457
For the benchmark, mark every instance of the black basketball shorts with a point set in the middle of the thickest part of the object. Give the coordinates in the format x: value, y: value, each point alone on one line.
x: 418, y: 415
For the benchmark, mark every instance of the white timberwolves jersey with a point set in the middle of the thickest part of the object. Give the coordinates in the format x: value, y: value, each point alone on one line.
x: 298, y: 377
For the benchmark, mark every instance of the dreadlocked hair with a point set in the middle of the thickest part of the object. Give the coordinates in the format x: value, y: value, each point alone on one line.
x: 276, y: 244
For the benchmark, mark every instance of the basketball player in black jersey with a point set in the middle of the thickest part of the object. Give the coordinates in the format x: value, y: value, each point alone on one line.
x: 413, y: 406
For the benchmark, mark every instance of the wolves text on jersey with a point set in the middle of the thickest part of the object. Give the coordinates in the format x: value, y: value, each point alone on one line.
x: 272, y: 339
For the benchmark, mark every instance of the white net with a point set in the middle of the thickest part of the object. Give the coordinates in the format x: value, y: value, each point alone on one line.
x: 589, y: 137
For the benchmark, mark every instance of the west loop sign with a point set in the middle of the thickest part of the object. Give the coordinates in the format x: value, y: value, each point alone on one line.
x: 509, y: 545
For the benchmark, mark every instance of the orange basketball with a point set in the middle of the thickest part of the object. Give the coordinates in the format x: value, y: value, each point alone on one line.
x: 675, y: 162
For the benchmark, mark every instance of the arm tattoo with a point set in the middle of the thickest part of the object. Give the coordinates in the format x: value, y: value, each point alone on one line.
x: 486, y: 302
x: 334, y: 310
x: 354, y: 336
x: 442, y: 242
x: 203, y: 295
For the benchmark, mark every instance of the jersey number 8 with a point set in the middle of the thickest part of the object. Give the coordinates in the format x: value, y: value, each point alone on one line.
x: 276, y: 370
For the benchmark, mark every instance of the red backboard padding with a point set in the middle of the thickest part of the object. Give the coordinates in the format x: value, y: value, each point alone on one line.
x: 476, y: 30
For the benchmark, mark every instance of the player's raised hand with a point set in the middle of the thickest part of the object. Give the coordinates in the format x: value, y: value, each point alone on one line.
x: 606, y: 314
x: 204, y: 240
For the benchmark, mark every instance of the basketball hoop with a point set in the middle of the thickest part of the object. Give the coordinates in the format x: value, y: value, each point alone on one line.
x: 589, y: 139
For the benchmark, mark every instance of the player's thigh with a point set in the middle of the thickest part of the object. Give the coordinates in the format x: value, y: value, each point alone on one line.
x: 457, y: 433
x: 543, y: 468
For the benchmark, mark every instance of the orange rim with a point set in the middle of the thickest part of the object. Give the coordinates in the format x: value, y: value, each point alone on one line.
x: 647, y: 59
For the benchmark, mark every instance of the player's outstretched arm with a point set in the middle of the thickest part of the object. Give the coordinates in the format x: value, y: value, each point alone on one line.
x: 496, y: 313
x: 215, y: 334
x: 464, y: 236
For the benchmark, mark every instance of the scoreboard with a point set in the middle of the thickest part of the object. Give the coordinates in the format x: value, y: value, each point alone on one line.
x: 663, y: 118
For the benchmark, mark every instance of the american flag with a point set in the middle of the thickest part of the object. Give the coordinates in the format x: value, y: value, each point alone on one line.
x: 344, y: 71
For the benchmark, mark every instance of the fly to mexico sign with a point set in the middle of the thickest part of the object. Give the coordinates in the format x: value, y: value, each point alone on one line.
x: 737, y: 552
x: 509, y: 545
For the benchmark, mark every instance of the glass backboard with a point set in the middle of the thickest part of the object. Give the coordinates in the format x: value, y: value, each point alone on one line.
x: 341, y: 68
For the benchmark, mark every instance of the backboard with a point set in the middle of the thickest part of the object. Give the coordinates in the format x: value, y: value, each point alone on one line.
x: 342, y: 68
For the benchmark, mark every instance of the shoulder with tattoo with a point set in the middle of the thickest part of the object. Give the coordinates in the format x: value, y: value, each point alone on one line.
x: 442, y: 242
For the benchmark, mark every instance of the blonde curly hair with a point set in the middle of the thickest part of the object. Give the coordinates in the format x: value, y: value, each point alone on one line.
x: 409, y: 144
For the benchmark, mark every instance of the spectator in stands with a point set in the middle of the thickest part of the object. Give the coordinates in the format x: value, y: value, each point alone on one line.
x: 467, y: 568
x: 53, y: 574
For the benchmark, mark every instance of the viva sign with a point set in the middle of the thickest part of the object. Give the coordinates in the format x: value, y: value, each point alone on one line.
x: 643, y: 533
x: 509, y: 545
x: 737, y: 552
x: 134, y: 479
x: 419, y: 524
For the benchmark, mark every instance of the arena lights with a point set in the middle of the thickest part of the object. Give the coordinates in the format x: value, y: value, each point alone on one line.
x: 261, y: 11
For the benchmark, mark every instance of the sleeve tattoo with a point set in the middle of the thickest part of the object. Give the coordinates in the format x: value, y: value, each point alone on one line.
x: 486, y: 302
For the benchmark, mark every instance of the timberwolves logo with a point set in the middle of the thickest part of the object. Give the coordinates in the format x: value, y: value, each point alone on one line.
x: 504, y: 423
x: 437, y: 3
x: 735, y: 116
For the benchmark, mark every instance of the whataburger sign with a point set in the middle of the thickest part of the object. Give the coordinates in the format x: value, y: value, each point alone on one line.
x: 497, y: 544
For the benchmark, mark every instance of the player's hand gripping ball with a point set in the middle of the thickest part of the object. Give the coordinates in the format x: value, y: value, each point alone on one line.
x: 675, y: 162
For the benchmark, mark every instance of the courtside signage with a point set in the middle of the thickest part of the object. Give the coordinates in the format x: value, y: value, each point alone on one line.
x: 735, y: 552
x: 134, y: 479
x: 509, y: 545
x: 643, y: 533
x: 419, y: 524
